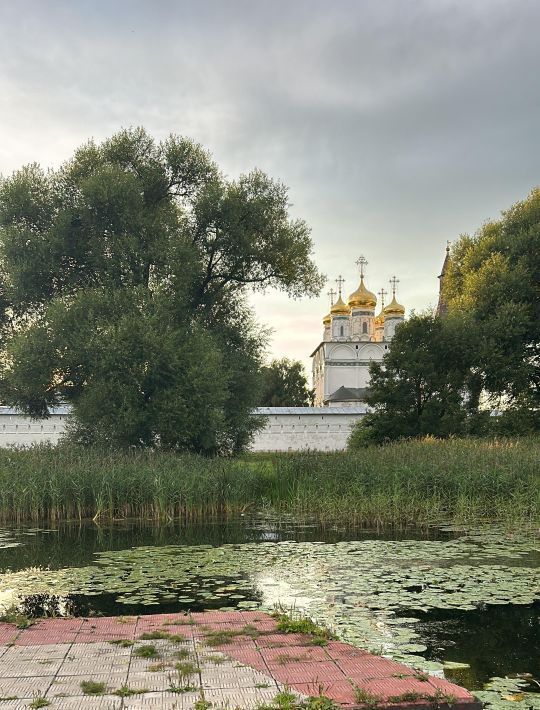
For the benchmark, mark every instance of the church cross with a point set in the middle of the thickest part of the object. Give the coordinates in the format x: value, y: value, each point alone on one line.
x: 448, y: 242
x: 340, y: 281
x: 361, y: 263
x: 382, y: 294
x: 394, y: 282
x: 331, y: 293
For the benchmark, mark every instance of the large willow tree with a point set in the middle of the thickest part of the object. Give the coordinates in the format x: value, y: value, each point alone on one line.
x: 125, y: 274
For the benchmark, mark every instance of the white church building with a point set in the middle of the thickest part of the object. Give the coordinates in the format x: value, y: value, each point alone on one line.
x: 353, y: 337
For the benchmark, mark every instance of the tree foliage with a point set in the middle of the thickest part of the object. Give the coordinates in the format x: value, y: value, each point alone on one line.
x: 494, y: 278
x: 285, y: 385
x: 125, y: 274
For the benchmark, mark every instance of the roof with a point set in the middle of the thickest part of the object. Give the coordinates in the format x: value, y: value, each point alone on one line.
x: 266, y: 411
x: 13, y: 411
x: 348, y: 394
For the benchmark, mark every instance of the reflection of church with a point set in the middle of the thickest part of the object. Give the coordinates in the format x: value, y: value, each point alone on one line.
x: 353, y: 337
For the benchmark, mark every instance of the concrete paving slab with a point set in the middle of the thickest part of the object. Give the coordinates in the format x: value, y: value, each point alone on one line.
x: 53, y: 657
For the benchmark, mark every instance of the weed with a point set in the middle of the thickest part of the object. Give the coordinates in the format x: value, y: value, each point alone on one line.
x: 39, y: 702
x: 14, y: 616
x: 93, y: 687
x: 123, y: 643
x: 262, y: 685
x: 409, y: 697
x: 157, y: 667
x: 422, y: 676
x: 186, y: 669
x: 181, y: 688
x: 147, y: 651
x: 364, y: 698
x: 251, y: 631
x: 124, y: 691
x: 182, y: 654
x: 202, y: 704
x: 220, y: 638
x: 215, y: 659
x: 161, y: 635
x: 298, y: 624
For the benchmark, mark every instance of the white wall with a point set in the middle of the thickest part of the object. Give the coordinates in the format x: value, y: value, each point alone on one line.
x: 19, y: 430
x: 302, y: 428
x: 285, y: 429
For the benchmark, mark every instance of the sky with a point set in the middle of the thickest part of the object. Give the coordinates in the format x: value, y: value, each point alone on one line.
x: 396, y: 124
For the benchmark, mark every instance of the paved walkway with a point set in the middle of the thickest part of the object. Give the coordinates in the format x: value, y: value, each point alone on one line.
x: 226, y: 659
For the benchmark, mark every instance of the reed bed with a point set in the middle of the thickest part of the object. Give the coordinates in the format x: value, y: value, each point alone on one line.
x: 421, y: 482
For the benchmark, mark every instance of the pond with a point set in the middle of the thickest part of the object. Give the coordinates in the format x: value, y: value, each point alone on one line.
x: 449, y: 596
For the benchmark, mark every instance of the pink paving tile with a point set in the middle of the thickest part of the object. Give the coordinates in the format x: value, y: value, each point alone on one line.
x: 8, y: 632
x: 338, y: 649
x: 385, y: 688
x: 372, y: 667
x: 277, y: 640
x: 247, y: 658
x: 251, y: 616
x: 217, y: 617
x: 446, y: 687
x: 307, y: 672
x: 292, y: 654
x: 340, y: 691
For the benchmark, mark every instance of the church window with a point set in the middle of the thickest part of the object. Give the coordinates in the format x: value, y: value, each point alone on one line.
x: 364, y: 327
x: 341, y: 331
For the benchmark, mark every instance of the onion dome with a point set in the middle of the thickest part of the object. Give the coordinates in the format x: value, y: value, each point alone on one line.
x: 327, y: 319
x: 340, y: 308
x: 362, y: 298
x: 379, y: 319
x: 394, y: 308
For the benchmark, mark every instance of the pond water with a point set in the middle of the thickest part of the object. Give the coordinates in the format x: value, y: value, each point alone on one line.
x: 442, y: 596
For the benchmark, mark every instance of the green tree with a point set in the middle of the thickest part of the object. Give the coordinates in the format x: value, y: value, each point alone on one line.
x: 493, y: 278
x: 285, y: 385
x: 126, y: 273
x: 426, y: 384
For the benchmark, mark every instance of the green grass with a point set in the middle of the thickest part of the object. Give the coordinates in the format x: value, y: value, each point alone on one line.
x: 146, y: 651
x: 93, y: 687
x: 421, y: 482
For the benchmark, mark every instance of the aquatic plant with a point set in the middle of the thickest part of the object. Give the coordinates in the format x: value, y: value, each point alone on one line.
x: 423, y: 482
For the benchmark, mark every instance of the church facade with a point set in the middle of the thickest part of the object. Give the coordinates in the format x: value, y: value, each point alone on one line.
x: 353, y: 336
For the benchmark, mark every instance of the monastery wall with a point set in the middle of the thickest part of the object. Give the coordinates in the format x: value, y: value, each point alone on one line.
x: 302, y: 428
x: 285, y: 428
x: 19, y: 430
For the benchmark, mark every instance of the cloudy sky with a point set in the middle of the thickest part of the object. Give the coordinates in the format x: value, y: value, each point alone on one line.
x: 396, y: 124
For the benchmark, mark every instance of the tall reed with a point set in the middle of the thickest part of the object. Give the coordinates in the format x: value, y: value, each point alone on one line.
x: 408, y: 482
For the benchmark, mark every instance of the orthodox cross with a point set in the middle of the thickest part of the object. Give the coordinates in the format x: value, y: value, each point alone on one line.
x: 361, y: 263
x: 331, y: 293
x: 394, y: 282
x: 340, y: 281
x: 448, y: 242
x: 382, y: 294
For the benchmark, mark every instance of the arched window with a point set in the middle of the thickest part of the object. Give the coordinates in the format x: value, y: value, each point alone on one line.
x: 364, y: 327
x: 341, y: 331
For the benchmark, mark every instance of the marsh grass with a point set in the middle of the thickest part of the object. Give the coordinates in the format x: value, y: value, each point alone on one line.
x: 420, y: 482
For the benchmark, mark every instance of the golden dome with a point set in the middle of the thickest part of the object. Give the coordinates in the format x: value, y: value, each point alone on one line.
x: 379, y: 319
x: 340, y: 308
x: 362, y: 298
x: 327, y: 319
x: 394, y: 308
